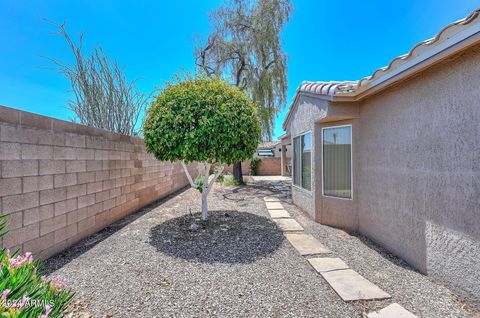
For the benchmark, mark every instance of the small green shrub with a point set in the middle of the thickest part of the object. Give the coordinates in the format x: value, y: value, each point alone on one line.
x: 229, y: 180
x: 220, y: 178
x: 200, y: 183
x: 3, y: 225
x: 254, y: 164
x: 24, y: 292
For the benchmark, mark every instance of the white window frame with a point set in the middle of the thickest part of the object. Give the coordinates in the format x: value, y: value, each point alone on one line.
x: 311, y: 162
x: 351, y: 163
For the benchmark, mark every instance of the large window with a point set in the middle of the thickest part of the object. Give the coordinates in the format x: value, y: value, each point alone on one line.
x: 337, y: 161
x: 302, y: 161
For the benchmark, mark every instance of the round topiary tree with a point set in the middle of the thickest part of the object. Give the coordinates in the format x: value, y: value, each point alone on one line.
x: 202, y: 120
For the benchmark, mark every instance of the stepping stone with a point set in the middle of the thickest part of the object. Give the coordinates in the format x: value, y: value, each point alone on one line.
x: 306, y: 244
x: 288, y: 225
x: 274, y: 205
x: 392, y: 311
x: 350, y: 285
x: 327, y: 264
x: 271, y: 199
x: 276, y: 214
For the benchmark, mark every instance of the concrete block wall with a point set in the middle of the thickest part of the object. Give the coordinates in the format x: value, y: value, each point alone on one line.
x: 61, y: 182
x: 245, y: 168
x: 269, y: 166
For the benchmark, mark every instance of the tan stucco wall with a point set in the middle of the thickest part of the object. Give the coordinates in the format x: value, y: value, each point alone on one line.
x: 307, y: 109
x: 419, y: 171
x: 334, y: 211
x: 268, y: 166
x: 278, y: 153
x: 311, y: 114
x: 416, y: 169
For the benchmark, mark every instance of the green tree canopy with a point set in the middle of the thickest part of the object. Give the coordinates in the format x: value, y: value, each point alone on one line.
x: 203, y: 120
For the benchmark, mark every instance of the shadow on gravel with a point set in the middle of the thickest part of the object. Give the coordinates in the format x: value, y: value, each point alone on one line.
x: 230, y: 237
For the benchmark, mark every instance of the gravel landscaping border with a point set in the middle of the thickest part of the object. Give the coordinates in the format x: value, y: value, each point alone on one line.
x: 151, y: 265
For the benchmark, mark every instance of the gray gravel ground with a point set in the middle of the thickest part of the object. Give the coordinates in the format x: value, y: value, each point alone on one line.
x: 150, y: 265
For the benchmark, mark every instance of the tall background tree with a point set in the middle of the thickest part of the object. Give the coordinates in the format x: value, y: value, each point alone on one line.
x: 245, y: 49
x: 103, y: 97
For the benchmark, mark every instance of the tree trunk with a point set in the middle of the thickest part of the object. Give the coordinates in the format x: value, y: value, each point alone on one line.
x: 204, y: 207
x: 237, y: 172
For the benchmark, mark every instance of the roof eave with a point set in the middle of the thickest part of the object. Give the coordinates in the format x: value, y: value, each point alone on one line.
x: 293, y: 104
x: 458, y: 42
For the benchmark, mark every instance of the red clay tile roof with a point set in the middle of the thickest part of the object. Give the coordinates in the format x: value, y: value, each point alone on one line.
x: 268, y: 144
x: 327, y: 88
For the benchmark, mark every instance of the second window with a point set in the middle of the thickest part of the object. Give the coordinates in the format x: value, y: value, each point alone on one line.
x: 302, y: 161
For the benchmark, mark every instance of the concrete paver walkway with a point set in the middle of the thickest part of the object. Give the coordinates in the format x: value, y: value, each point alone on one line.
x: 306, y: 244
x: 278, y: 214
x: 347, y: 283
x: 271, y: 199
x: 327, y: 264
x: 411, y: 289
x: 350, y: 285
x: 270, y: 178
x: 392, y: 311
x: 288, y: 225
x: 274, y: 205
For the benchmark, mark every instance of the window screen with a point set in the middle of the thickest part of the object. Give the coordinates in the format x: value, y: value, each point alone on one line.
x: 337, y: 162
x: 302, y: 161
x: 307, y: 161
x: 297, y: 172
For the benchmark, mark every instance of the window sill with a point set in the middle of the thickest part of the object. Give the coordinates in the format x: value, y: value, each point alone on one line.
x: 309, y: 192
x: 338, y: 198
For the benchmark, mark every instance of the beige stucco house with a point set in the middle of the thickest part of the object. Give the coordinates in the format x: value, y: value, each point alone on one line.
x: 269, y: 149
x: 396, y: 155
x: 276, y: 149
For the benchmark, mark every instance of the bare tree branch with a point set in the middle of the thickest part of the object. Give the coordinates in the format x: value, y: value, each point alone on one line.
x: 103, y: 98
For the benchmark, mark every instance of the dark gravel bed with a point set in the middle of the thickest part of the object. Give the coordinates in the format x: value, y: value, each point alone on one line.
x: 151, y: 265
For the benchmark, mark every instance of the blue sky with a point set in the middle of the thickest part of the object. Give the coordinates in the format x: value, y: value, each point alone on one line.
x: 325, y: 40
